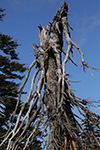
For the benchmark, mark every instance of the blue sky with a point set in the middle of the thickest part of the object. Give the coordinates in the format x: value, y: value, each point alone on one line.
x: 23, y: 17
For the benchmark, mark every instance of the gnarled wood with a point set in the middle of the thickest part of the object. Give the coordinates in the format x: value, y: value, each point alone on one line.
x: 52, y: 98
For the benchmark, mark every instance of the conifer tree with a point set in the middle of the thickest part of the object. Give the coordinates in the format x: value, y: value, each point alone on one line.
x: 91, y: 134
x: 11, y: 74
x: 10, y: 71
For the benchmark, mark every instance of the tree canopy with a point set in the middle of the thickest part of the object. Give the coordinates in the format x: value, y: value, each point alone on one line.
x: 11, y: 74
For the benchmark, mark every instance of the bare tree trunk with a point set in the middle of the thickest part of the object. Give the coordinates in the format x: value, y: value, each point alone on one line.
x: 56, y: 117
x: 57, y: 112
x: 54, y: 107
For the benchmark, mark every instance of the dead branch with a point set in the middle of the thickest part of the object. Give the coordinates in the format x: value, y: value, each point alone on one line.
x: 55, y: 103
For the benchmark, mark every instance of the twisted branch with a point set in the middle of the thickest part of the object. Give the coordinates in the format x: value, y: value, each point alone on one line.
x: 52, y: 107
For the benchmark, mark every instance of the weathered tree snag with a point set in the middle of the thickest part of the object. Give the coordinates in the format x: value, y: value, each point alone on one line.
x: 59, y: 116
x: 53, y: 98
x: 59, y: 103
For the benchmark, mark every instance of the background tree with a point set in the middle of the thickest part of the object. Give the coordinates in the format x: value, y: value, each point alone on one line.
x: 1, y: 13
x: 91, y: 134
x: 53, y: 98
x: 11, y: 71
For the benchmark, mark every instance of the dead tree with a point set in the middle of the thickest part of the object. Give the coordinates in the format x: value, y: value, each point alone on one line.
x: 53, y: 95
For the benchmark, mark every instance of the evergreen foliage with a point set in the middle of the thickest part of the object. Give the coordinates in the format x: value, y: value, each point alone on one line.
x: 90, y: 131
x: 11, y: 73
x: 1, y: 13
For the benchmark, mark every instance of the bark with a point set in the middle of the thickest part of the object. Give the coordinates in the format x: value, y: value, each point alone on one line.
x: 59, y: 116
x: 54, y: 106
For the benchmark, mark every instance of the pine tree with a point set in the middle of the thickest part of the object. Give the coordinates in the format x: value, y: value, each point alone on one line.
x: 90, y: 132
x: 11, y: 71
x: 2, y: 14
